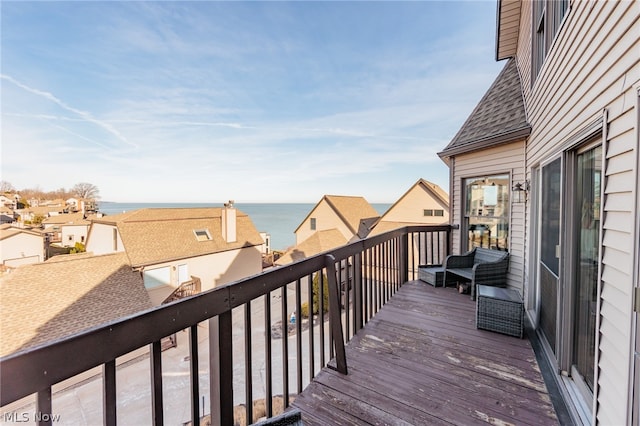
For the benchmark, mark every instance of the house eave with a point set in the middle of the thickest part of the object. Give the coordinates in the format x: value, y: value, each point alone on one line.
x: 488, y: 142
x: 507, y: 28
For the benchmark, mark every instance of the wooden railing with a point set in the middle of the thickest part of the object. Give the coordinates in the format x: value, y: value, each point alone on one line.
x: 361, y: 276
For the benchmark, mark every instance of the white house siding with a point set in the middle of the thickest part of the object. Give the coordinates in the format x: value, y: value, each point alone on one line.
x: 411, y: 208
x: 22, y: 249
x: 100, y: 239
x: 78, y: 234
x: 326, y: 218
x: 503, y: 159
x: 213, y: 270
x: 593, y: 66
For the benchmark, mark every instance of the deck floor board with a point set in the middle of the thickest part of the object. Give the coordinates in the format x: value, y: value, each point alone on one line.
x: 421, y: 360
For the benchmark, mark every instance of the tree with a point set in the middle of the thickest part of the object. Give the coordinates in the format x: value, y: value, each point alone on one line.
x: 6, y: 187
x: 316, y: 296
x: 85, y: 190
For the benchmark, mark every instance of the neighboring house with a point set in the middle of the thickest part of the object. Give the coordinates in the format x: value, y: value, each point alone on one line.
x: 73, y: 203
x: 343, y: 213
x: 549, y: 162
x: 30, y: 213
x: 169, y: 246
x: 20, y: 246
x: 317, y: 243
x: 424, y: 203
x: 83, y: 205
x: 6, y: 215
x: 63, y: 226
x: 265, y: 248
x: 8, y: 200
x: 75, y: 232
x: 66, y: 295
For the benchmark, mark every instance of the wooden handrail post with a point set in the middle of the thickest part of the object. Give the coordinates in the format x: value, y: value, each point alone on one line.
x: 335, y: 315
x: 404, y: 258
x: 357, y: 292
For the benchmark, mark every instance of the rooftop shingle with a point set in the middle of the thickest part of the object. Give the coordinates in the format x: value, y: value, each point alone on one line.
x: 159, y: 235
x: 48, y: 301
x: 498, y: 118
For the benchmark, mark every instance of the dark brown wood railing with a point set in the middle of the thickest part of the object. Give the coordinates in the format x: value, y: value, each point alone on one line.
x: 361, y: 276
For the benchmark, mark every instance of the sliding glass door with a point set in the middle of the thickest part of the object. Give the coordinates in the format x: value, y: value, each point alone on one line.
x: 587, y: 230
x: 549, y: 243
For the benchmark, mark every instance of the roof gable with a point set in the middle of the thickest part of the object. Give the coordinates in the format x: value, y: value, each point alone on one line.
x: 349, y: 209
x: 498, y: 118
x: 430, y: 188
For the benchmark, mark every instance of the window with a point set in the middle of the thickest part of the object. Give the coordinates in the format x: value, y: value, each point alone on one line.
x: 313, y: 223
x: 202, y: 234
x: 432, y: 212
x: 487, y: 212
x: 70, y: 237
x: 547, y: 17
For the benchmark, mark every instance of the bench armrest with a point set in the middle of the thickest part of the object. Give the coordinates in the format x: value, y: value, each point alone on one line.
x: 459, y: 260
x: 491, y: 273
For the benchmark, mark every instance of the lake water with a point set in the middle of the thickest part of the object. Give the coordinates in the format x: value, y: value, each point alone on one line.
x: 279, y: 220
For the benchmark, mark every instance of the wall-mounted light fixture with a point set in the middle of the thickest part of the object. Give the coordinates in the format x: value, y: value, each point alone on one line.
x: 520, y: 191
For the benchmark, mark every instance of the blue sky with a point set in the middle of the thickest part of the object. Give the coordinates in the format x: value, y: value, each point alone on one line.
x: 253, y: 101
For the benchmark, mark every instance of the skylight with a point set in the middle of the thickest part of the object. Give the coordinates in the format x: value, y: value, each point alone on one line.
x: 202, y: 234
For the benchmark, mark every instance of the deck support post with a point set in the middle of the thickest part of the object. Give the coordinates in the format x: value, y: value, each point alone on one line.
x: 335, y: 315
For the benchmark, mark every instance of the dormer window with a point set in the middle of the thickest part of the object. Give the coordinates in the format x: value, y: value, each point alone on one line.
x: 202, y: 234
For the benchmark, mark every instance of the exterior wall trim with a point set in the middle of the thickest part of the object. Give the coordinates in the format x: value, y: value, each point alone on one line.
x: 633, y: 414
x: 596, y: 373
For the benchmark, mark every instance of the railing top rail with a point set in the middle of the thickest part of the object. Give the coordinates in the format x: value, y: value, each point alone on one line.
x: 49, y: 364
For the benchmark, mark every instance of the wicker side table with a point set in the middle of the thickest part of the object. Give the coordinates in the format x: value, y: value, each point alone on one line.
x: 431, y: 274
x: 500, y: 310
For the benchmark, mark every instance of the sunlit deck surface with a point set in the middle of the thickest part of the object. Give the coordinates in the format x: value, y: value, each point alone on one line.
x: 421, y: 360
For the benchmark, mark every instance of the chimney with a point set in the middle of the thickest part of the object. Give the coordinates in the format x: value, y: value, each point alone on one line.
x: 229, y: 222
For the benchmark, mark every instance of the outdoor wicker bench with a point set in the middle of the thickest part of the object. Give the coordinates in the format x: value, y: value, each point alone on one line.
x: 500, y: 310
x: 480, y: 266
x: 431, y: 274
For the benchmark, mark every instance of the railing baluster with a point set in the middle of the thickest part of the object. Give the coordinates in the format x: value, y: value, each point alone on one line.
x: 156, y: 383
x: 285, y: 347
x: 194, y: 377
x: 357, y: 296
x: 43, y: 407
x: 310, y: 327
x: 371, y: 289
x: 226, y: 367
x: 299, y: 333
x: 109, y: 393
x: 248, y: 367
x: 335, y: 316
x: 268, y: 357
x: 321, y: 309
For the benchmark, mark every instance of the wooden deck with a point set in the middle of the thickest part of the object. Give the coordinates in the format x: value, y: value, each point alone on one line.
x: 420, y: 361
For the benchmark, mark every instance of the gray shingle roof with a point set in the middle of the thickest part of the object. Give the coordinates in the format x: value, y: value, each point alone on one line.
x: 53, y: 300
x: 152, y: 236
x: 499, y: 117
